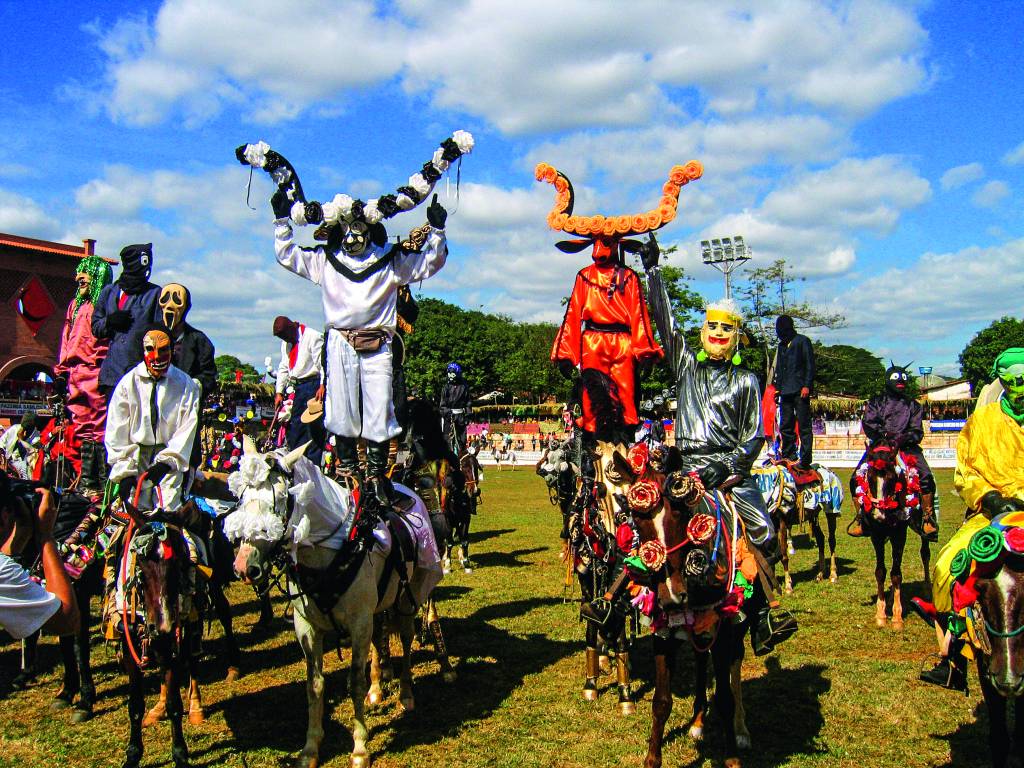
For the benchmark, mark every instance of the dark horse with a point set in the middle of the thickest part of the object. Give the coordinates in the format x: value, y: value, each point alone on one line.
x: 885, y: 492
x: 151, y: 603
x: 677, y: 536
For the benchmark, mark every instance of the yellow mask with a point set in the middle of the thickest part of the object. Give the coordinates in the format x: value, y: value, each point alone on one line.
x: 720, y: 334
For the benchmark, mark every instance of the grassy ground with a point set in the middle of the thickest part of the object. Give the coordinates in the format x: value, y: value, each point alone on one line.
x: 840, y: 693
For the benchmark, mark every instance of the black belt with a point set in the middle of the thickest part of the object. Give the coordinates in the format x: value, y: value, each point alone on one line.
x: 307, y: 379
x: 590, y: 325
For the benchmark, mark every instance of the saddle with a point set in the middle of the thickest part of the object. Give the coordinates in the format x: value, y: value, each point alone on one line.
x: 802, y: 477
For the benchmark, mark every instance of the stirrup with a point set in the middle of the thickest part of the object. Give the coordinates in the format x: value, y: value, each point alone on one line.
x: 856, y: 528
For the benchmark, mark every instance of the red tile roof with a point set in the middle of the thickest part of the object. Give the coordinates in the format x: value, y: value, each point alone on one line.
x: 32, y: 244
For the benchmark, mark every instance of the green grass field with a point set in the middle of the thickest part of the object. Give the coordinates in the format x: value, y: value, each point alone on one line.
x: 840, y: 693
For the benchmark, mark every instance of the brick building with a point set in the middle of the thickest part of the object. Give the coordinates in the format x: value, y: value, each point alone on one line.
x: 37, y: 282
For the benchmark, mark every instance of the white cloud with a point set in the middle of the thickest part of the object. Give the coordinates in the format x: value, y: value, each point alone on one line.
x: 957, y: 177
x: 991, y: 194
x: 24, y: 216
x: 1015, y: 156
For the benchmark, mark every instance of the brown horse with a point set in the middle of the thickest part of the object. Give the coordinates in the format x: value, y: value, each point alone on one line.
x: 1001, y: 661
x: 884, y: 493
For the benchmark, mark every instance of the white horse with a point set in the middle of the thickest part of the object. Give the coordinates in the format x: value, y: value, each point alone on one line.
x: 315, y: 524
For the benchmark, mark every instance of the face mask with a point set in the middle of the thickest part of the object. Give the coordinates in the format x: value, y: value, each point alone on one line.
x: 896, y: 380
x: 720, y: 335
x: 174, y: 305
x: 156, y: 353
x: 84, y: 283
x: 451, y: 375
x: 355, y: 238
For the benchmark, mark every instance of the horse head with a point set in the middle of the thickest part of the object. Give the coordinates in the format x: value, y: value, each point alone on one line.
x: 260, y: 519
x: 1001, y: 598
x: 162, y: 562
x: 882, y: 487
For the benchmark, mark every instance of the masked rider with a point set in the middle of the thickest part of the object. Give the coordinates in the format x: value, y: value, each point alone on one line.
x: 77, y: 373
x: 455, y: 408
x: 718, y: 426
x: 122, y: 310
x: 151, y: 426
x: 989, y: 477
x: 895, y: 417
x: 301, y: 352
x: 192, y: 350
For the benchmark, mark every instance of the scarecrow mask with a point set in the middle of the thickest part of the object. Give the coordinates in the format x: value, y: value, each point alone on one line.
x: 156, y: 352
x: 355, y: 237
x: 84, y: 283
x: 720, y: 334
x: 175, y: 302
x: 896, y: 379
x: 1009, y: 367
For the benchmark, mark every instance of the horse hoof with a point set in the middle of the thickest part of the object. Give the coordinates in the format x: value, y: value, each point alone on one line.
x: 897, y: 625
x: 233, y: 674
x: 152, y: 718
x: 627, y: 708
x: 81, y: 715
x: 732, y: 762
x: 450, y: 676
x: 374, y: 699
x: 196, y: 716
x: 743, y: 741
x: 359, y: 761
x: 387, y: 673
x: 407, y: 705
x: 60, y: 703
x: 305, y: 761
x: 789, y: 589
x: 833, y: 579
x: 590, y: 694
x: 880, y: 623
x: 697, y: 732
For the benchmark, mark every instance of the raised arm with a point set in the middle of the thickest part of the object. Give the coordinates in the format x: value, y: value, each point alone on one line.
x: 676, y: 352
x: 304, y: 262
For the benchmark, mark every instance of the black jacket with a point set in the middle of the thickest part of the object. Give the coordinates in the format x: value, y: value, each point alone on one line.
x: 125, y: 346
x: 794, y: 366
x: 193, y: 353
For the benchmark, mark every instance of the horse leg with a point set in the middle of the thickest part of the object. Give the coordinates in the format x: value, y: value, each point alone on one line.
x: 83, y: 710
x: 899, y: 542
x: 832, y: 520
x: 361, y: 629
x: 743, y: 740
x: 592, y: 669
x: 175, y: 672
x: 819, y: 539
x: 926, y: 557
x: 626, y: 704
x: 159, y: 710
x: 266, y: 618
x: 433, y: 620
x: 312, y: 642
x: 661, y: 707
x: 406, y: 631
x: 136, y: 709
x: 786, y: 548
x: 223, y: 610
x: 72, y: 683
x: 700, y: 694
x: 998, y: 730
x: 196, y: 715
x: 722, y: 653
x: 878, y: 542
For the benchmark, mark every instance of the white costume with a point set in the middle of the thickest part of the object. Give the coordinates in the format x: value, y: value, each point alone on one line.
x: 358, y: 389
x: 151, y: 420
x: 307, y: 359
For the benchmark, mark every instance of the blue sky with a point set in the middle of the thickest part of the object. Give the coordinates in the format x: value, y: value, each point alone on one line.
x: 878, y: 147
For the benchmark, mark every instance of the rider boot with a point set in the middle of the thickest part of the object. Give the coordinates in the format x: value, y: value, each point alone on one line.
x: 377, y: 480
x: 348, y: 461
x: 950, y: 672
x: 929, y: 523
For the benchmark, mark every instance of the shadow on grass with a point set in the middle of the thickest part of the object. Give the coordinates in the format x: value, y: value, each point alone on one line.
x: 968, y: 744
x: 475, y: 537
x: 506, y: 559
x: 844, y: 567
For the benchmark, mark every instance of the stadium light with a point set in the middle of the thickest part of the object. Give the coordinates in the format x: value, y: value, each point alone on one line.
x: 725, y: 254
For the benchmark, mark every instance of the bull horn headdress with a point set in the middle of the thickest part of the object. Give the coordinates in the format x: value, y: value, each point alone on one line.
x: 562, y: 218
x: 345, y: 207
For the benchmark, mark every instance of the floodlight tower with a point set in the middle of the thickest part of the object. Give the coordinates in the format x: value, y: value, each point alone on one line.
x: 725, y: 254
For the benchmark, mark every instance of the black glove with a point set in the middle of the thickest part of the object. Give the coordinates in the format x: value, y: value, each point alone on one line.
x: 158, y: 472
x: 126, y: 488
x: 650, y: 252
x: 119, y: 320
x: 566, y: 368
x: 281, y: 204
x: 436, y: 214
x: 713, y: 475
x: 994, y: 503
x: 60, y: 384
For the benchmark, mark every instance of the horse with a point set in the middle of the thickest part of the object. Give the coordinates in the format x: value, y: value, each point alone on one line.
x: 696, y: 572
x: 150, y: 604
x: 342, y: 573
x: 794, y: 496
x: 887, y: 491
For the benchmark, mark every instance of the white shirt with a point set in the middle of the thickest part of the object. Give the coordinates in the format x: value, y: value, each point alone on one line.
x: 24, y: 605
x: 307, y: 358
x: 130, y: 423
x: 372, y: 303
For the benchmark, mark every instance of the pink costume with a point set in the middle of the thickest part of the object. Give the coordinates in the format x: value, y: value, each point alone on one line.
x: 81, y: 354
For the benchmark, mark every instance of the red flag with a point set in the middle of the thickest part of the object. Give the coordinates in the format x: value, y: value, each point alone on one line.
x: 238, y: 376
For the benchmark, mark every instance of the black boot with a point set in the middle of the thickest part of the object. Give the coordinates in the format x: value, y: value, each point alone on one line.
x: 377, y: 478
x: 348, y: 461
x: 947, y: 674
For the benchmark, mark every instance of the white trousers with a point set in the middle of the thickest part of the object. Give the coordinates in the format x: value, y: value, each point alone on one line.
x: 173, y: 487
x: 357, y: 401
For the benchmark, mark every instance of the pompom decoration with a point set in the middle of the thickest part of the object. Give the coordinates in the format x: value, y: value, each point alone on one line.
x: 246, y: 524
x: 652, y: 554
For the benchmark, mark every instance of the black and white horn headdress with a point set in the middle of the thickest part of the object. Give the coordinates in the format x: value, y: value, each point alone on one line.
x: 345, y: 207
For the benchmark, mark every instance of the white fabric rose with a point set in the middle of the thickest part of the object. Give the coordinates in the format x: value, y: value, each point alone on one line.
x: 256, y: 154
x: 405, y: 202
x: 421, y: 185
x: 371, y: 213
x: 464, y: 141
x: 438, y: 160
x: 298, y: 213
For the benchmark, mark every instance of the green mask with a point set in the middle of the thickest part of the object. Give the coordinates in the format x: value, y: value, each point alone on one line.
x: 1009, y: 367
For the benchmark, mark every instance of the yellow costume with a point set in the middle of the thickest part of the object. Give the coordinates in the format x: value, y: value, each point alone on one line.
x: 989, y: 457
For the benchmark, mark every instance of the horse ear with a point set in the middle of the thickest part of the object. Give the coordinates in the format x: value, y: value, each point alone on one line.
x: 623, y: 466
x: 288, y: 460
x: 248, y: 446
x: 573, y: 246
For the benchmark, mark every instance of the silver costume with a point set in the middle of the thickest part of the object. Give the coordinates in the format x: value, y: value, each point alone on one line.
x: 718, y: 416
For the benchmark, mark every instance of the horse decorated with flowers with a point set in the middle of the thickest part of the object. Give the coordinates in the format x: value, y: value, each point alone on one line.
x: 349, y: 560
x: 988, y: 602
x: 887, y: 492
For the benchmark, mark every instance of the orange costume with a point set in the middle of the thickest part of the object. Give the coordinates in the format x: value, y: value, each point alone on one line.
x: 606, y: 328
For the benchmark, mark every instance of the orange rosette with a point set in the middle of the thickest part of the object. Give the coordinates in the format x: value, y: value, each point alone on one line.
x: 678, y: 175
x: 552, y: 218
x: 622, y: 224
x: 560, y: 221
x: 666, y: 214
x: 572, y: 224
x: 671, y: 189
x: 561, y: 185
x: 597, y: 223
x: 609, y: 227
x: 693, y: 170
x: 638, y: 222
x: 667, y: 201
x: 653, y: 219
x: 545, y: 172
x: 562, y: 201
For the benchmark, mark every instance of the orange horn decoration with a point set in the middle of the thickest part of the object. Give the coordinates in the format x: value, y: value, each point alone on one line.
x: 562, y: 218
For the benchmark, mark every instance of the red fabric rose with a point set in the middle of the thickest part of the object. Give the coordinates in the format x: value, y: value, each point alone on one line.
x: 638, y: 456
x: 1014, y: 538
x: 643, y: 496
x: 701, y: 528
x: 652, y: 554
x: 624, y: 537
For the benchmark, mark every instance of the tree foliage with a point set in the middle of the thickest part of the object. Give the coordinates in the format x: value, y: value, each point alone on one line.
x: 841, y: 369
x: 980, y: 353
x: 228, y: 364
